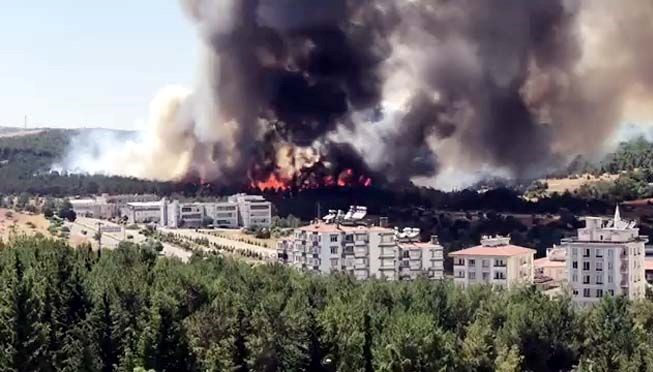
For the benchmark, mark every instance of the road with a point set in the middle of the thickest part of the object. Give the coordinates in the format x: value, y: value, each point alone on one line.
x: 111, y: 240
x: 242, y: 246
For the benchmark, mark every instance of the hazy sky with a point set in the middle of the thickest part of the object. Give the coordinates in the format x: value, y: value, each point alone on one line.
x: 71, y: 63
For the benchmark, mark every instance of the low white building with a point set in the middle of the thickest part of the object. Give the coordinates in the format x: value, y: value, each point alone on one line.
x: 360, y: 250
x: 253, y: 210
x: 606, y: 258
x: 495, y: 262
x: 94, y: 208
x: 239, y: 211
x: 143, y: 212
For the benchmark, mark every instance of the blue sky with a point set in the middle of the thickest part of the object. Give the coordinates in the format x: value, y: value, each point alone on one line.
x: 71, y: 63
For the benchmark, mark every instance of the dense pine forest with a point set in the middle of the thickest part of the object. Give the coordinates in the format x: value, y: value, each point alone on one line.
x: 78, y: 310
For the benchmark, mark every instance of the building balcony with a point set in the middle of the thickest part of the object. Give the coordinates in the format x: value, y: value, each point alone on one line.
x: 361, y: 252
x: 387, y: 254
x: 361, y: 266
x: 361, y: 242
x: 387, y: 267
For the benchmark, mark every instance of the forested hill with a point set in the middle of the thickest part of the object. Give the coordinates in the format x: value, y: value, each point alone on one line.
x: 76, y: 310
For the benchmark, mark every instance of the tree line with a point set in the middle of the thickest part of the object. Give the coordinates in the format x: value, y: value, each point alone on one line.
x: 78, y: 310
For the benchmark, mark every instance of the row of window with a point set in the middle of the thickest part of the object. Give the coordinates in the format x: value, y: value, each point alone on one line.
x: 587, y: 292
x: 586, y: 265
x: 484, y: 263
x: 586, y: 279
x: 485, y: 276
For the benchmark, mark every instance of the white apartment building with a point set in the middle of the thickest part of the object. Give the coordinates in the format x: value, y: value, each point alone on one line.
x: 606, y: 258
x: 361, y: 251
x: 495, y: 262
x: 551, y: 271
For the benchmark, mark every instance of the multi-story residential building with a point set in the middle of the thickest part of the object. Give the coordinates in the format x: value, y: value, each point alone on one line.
x: 606, y: 258
x: 362, y: 251
x: 495, y: 262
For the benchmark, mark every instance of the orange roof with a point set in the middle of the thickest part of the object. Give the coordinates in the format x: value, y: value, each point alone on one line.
x: 502, y: 250
x: 639, y: 202
x: 648, y: 264
x: 545, y: 262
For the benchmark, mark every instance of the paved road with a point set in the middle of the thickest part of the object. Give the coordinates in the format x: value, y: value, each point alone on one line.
x: 189, y: 233
x: 111, y: 240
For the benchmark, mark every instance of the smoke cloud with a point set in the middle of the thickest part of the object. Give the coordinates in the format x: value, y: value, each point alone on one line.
x: 309, y: 91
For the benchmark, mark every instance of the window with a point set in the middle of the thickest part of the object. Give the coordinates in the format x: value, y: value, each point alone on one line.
x: 472, y: 276
x: 499, y: 275
x: 610, y: 253
x: 611, y: 292
x: 405, y: 263
x: 405, y: 254
x: 334, y: 238
x: 334, y: 250
x: 599, y: 279
x: 586, y: 252
x: 486, y: 277
x: 586, y: 279
x: 574, y: 251
x: 459, y: 262
x: 461, y: 274
x: 609, y: 278
x: 586, y: 265
x: 599, y: 253
x: 586, y: 292
x: 499, y: 263
x: 574, y: 264
x: 471, y: 262
x: 599, y: 266
x: 610, y: 265
x: 575, y: 292
x: 334, y: 263
x: 485, y: 263
x: 599, y: 293
x: 574, y: 278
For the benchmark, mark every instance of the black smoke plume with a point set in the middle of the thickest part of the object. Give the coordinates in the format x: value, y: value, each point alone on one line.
x: 407, y: 90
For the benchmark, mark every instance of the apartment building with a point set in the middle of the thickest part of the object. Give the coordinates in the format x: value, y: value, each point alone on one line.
x: 363, y: 251
x: 606, y: 258
x: 495, y: 262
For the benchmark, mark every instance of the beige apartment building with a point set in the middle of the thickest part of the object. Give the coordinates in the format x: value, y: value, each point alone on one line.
x: 361, y: 250
x: 495, y: 262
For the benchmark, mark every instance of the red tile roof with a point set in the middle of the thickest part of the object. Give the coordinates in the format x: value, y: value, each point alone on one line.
x: 502, y: 250
x: 412, y: 245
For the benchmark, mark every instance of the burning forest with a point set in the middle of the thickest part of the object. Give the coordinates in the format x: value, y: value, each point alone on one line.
x: 301, y: 94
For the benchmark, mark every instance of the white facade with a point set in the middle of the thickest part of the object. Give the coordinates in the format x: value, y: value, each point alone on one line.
x: 239, y: 211
x: 143, y: 212
x: 94, y: 208
x: 253, y: 210
x: 494, y: 262
x: 606, y: 259
x: 361, y: 251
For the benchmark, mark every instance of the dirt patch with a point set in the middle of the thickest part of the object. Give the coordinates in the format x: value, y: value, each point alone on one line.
x: 571, y: 184
x: 12, y: 222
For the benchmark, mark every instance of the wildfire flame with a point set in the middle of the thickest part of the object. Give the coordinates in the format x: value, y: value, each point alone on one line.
x: 346, y: 178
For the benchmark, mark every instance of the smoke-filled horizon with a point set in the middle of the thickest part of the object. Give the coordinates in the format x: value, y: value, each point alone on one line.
x: 311, y: 91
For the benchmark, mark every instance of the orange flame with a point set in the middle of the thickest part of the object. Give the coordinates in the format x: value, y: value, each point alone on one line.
x: 272, y: 183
